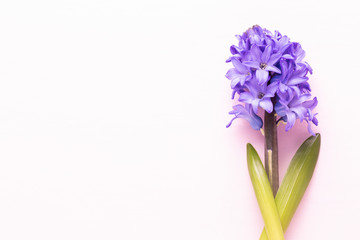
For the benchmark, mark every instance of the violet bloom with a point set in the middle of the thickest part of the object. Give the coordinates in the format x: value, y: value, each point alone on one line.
x: 297, y: 107
x: 263, y: 62
x: 269, y: 68
x: 247, y: 113
x: 259, y: 95
x: 281, y: 43
x: 239, y: 74
x: 289, y: 80
x: 311, y: 118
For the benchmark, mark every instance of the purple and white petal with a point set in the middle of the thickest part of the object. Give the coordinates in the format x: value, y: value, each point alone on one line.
x: 255, y: 121
x: 252, y: 64
x: 297, y: 80
x: 290, y: 119
x: 287, y: 56
x: 248, y: 114
x: 246, y: 97
x: 262, y: 76
x: 267, y: 105
x: 283, y: 88
x: 265, y: 56
x: 271, y: 89
x: 303, y: 98
x: 255, y: 104
x: 232, y: 74
x: 300, y: 111
x: 281, y: 109
x: 272, y: 69
x: 256, y: 52
x: 239, y: 66
x: 311, y: 104
x: 274, y: 58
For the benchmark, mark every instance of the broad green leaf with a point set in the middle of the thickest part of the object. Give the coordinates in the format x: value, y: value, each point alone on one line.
x: 296, y: 180
x: 264, y: 195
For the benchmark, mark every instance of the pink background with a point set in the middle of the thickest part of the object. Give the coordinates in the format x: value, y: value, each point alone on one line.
x: 113, y: 115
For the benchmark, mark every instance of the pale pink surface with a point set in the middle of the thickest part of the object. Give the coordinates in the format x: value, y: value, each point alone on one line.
x: 113, y: 115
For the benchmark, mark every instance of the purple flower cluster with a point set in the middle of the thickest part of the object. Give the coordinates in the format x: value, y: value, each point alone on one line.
x: 269, y: 73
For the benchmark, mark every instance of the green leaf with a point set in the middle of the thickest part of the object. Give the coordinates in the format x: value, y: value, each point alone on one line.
x: 264, y: 195
x: 296, y: 180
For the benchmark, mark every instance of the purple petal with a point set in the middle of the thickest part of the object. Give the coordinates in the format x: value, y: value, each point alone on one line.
x: 272, y: 69
x: 310, y: 130
x: 241, y: 79
x: 299, y: 53
x: 245, y: 78
x: 300, y: 112
x: 287, y: 56
x: 284, y: 47
x: 291, y: 118
x: 267, y: 105
x: 271, y: 89
x: 314, y: 120
x: 305, y: 86
x: 246, y: 113
x: 246, y: 97
x: 252, y: 64
x: 296, y: 90
x: 234, y: 82
x: 308, y: 67
x: 255, y: 121
x: 232, y: 74
x: 297, y: 80
x: 256, y: 52
x: 281, y: 109
x: 283, y: 88
x: 266, y: 54
x: 255, y: 104
x: 262, y: 76
x: 304, y: 97
x: 311, y: 104
x: 309, y: 127
x: 284, y: 69
x: 238, y: 109
x: 239, y: 66
x: 234, y: 49
x: 274, y: 58
x: 253, y: 88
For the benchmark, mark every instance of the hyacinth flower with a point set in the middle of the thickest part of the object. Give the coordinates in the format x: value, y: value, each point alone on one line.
x: 246, y: 113
x: 239, y: 74
x: 296, y: 107
x: 263, y: 62
x: 290, y: 81
x: 259, y: 96
x: 269, y: 73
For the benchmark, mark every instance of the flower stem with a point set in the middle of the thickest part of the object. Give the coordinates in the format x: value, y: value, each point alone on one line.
x: 271, y: 149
